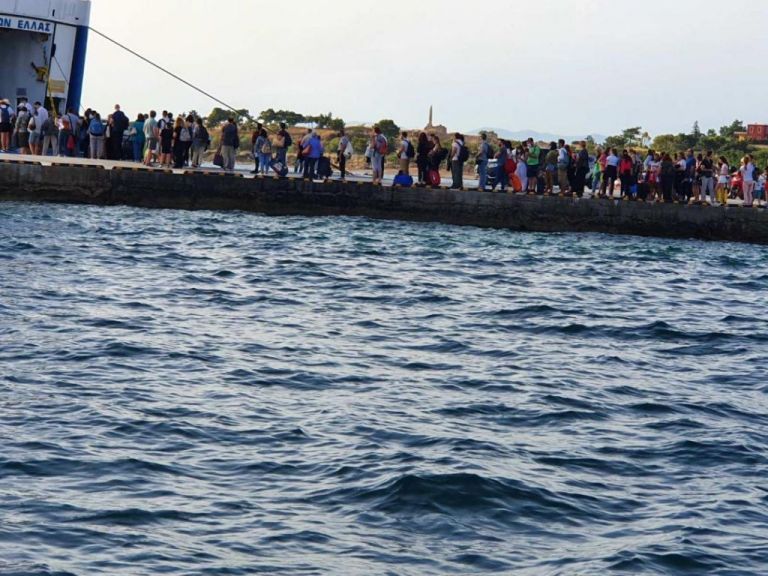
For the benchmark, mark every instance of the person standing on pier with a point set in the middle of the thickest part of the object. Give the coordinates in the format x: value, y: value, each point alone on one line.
x: 118, y: 127
x: 67, y: 140
x: 200, y: 142
x: 263, y: 148
x: 707, y: 178
x: 459, y: 155
x: 312, y: 153
x: 166, y: 145
x: 483, y: 155
x: 582, y: 169
x: 254, y: 136
x: 230, y: 142
x: 50, y: 136
x: 137, y: 137
x: 6, y: 125
x: 423, y: 148
x: 151, y: 135
x: 563, y: 162
x: 96, y: 131
x: 532, y: 162
x: 379, y: 148
x: 282, y: 142
x: 747, y: 171
x: 502, y: 176
x: 22, y: 130
x: 39, y: 116
x: 179, y: 142
x: 405, y: 153
x: 341, y: 153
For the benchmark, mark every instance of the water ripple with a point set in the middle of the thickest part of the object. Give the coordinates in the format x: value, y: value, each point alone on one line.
x: 229, y: 394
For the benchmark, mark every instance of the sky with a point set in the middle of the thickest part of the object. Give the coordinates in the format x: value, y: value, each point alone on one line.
x: 563, y: 66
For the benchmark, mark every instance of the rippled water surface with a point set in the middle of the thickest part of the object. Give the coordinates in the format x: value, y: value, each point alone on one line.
x: 227, y: 394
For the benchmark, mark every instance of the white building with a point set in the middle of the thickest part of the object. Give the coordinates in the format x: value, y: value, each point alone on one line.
x: 42, y: 51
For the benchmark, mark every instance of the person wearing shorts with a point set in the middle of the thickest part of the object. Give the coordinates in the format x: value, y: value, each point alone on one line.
x: 5, y: 127
x: 35, y: 140
x: 22, y: 130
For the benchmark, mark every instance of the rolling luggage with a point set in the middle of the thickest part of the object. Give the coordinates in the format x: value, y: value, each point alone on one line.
x: 279, y: 168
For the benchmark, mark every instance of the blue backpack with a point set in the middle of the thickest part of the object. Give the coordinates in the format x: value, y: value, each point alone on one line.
x: 96, y: 128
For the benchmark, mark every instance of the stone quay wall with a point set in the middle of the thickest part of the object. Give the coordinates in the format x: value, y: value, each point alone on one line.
x: 194, y: 190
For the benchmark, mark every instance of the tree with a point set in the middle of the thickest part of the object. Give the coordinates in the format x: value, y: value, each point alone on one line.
x: 323, y: 120
x: 665, y: 143
x: 388, y: 128
x: 271, y: 116
x: 216, y: 117
x: 618, y: 142
x: 696, y: 131
x: 696, y: 134
x: 631, y: 136
x: 730, y: 131
x: 337, y: 124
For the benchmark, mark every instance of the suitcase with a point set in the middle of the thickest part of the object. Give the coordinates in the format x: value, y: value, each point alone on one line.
x: 433, y: 178
x: 279, y: 168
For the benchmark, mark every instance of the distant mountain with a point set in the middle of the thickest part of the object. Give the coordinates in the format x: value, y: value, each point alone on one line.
x: 520, y: 135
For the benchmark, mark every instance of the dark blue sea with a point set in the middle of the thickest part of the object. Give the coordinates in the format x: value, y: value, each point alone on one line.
x: 199, y: 393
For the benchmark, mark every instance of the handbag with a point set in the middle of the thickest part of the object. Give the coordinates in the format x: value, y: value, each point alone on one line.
x: 218, y: 159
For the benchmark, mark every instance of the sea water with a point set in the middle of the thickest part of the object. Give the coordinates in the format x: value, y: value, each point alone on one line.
x: 230, y: 394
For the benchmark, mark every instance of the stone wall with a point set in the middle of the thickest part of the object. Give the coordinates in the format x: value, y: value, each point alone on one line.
x: 216, y: 191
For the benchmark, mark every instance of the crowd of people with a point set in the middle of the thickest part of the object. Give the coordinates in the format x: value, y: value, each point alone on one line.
x: 163, y: 141
x: 176, y: 142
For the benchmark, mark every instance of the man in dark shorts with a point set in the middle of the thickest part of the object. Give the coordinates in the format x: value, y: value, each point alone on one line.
x: 6, y: 125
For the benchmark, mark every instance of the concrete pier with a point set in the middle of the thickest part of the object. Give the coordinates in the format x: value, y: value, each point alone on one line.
x: 122, y: 184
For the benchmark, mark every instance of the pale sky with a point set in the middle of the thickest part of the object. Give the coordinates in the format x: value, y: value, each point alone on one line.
x: 563, y: 66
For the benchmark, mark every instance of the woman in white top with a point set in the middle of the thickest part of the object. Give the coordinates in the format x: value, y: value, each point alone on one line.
x: 723, y: 182
x: 747, y: 179
x: 522, y: 167
x: 654, y: 171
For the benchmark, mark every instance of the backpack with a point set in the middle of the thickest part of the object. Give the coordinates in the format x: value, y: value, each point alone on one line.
x: 96, y: 128
x: 382, y: 146
x: 410, y: 151
x: 266, y: 148
x: 5, y: 115
x: 489, y: 151
x: 349, y: 150
x: 463, y: 153
x: 288, y: 140
x: 184, y: 135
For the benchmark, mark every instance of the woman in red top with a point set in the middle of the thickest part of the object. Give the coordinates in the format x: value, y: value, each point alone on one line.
x: 625, y: 173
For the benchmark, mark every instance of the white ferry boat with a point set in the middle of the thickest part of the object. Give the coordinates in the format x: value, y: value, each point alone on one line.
x: 42, y: 51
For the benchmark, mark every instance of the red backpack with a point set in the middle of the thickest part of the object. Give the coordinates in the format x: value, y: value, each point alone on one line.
x: 382, y: 146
